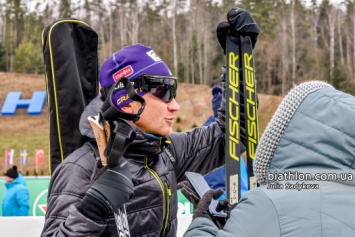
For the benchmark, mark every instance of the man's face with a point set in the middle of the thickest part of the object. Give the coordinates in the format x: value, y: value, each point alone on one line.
x: 157, y: 117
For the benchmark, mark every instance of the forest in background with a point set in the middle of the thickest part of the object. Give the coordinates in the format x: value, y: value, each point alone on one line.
x: 296, y: 42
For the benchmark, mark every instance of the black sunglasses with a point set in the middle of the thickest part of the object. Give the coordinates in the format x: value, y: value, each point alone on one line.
x: 162, y: 87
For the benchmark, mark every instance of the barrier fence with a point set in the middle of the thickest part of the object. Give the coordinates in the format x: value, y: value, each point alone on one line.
x: 38, y: 189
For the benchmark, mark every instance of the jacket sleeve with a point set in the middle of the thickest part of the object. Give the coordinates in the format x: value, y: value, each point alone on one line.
x: 201, y: 149
x: 22, y: 198
x: 254, y: 215
x: 67, y: 187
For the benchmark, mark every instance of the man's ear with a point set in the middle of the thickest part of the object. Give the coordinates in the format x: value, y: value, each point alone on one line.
x: 128, y: 108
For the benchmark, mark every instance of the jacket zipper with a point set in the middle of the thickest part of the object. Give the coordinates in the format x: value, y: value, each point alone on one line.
x: 166, y: 192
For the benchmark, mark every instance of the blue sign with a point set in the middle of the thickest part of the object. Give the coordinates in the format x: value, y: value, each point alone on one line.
x: 13, y: 101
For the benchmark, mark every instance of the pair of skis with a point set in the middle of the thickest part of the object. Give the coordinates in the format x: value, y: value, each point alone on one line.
x: 240, y: 95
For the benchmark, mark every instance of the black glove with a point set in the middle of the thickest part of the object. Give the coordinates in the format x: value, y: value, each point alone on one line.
x: 202, y: 208
x: 108, y: 192
x: 239, y: 21
x: 189, y: 192
x: 226, y: 207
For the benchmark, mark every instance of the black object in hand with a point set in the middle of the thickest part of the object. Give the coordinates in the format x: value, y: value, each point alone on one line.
x: 238, y: 21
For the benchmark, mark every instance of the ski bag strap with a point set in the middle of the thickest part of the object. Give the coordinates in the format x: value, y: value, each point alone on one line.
x: 121, y: 137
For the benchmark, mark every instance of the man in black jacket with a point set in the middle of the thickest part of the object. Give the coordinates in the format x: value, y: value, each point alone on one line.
x: 139, y: 104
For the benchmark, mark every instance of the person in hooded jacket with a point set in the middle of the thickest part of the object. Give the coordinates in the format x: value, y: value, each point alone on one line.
x: 306, y: 176
x: 148, y: 159
x: 16, y: 196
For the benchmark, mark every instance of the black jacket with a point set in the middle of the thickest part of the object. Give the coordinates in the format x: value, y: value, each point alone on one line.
x: 152, y: 211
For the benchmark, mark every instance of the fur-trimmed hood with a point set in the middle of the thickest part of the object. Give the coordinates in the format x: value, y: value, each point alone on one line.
x: 314, y: 120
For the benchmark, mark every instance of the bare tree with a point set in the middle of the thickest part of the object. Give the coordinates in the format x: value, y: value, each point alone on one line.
x: 136, y: 16
x: 353, y: 20
x: 293, y: 42
x: 329, y: 39
x: 169, y: 16
x: 314, y: 18
x: 122, y: 24
x: 284, y: 58
x: 339, y: 23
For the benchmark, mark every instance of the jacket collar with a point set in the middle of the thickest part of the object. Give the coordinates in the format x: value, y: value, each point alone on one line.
x: 145, y: 144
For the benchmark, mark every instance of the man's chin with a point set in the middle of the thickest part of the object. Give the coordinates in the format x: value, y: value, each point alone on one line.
x: 166, y: 132
x: 162, y: 132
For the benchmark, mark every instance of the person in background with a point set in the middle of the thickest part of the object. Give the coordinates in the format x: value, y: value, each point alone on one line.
x: 216, y: 104
x: 16, y: 196
x: 306, y: 176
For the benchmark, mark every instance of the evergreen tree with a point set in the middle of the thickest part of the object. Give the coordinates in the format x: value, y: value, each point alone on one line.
x: 2, y: 58
x: 28, y: 59
x: 65, y: 9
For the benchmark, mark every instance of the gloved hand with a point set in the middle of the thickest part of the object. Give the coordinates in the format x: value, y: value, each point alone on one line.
x: 202, y: 208
x: 109, y: 191
x: 226, y: 207
x: 239, y: 21
x: 189, y: 192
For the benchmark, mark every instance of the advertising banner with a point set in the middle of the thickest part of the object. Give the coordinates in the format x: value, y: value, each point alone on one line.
x: 38, y: 188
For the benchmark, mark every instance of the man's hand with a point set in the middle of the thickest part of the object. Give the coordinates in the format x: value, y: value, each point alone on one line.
x: 109, y: 191
x: 238, y: 21
x: 114, y: 186
x: 189, y: 192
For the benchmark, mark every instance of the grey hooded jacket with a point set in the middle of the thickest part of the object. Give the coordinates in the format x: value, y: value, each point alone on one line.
x: 311, y: 135
x: 152, y: 211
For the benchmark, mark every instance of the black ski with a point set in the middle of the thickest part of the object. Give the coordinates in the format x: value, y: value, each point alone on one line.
x: 233, y: 147
x: 250, y: 106
x: 240, y: 95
